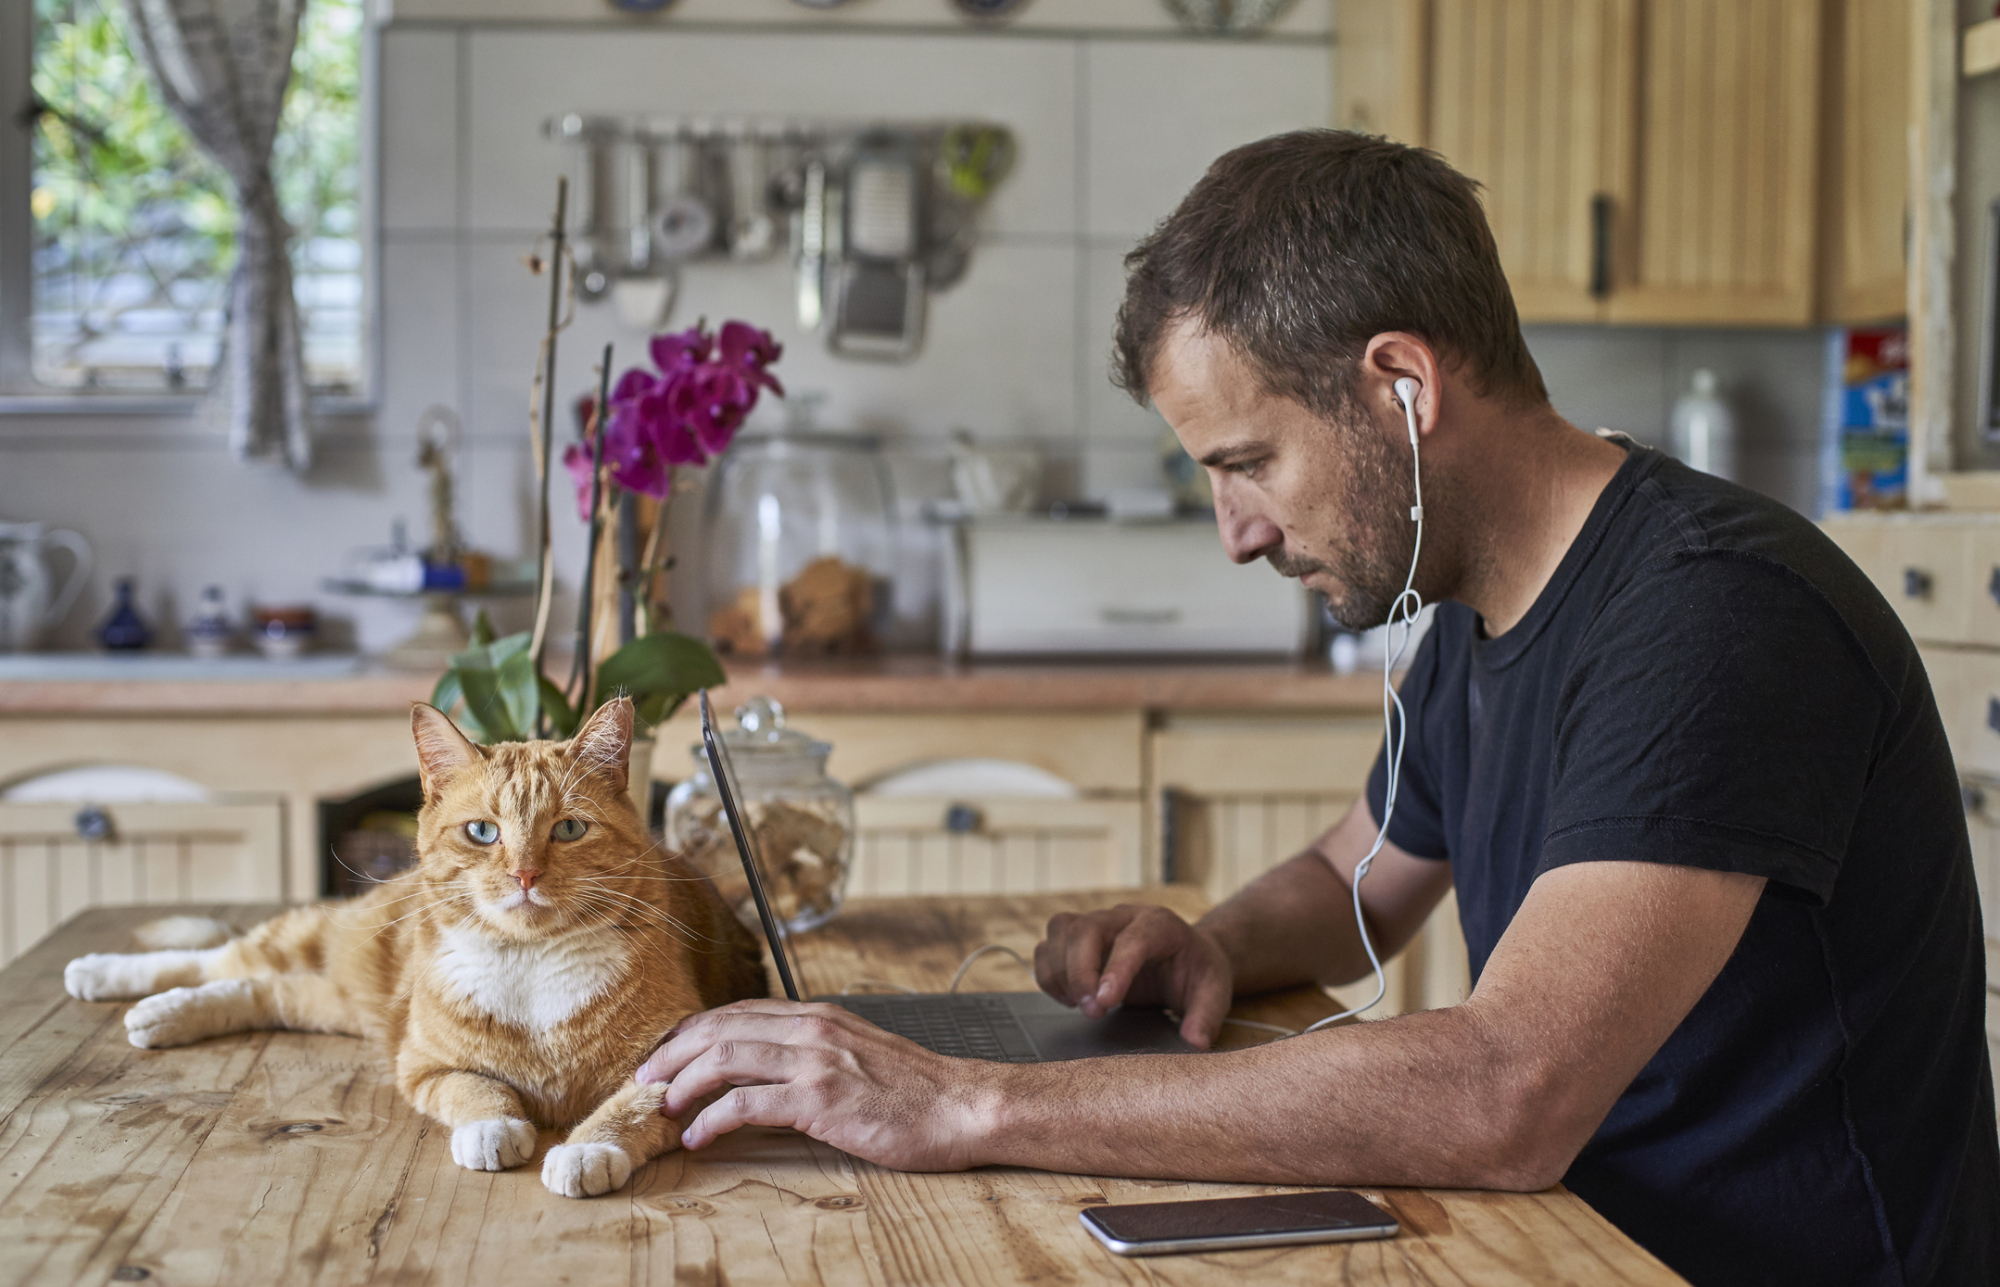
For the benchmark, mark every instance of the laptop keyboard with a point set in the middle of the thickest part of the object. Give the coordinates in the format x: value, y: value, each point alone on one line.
x: 968, y: 1026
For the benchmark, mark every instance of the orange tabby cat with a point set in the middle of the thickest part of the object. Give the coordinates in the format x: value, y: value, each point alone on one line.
x: 517, y: 976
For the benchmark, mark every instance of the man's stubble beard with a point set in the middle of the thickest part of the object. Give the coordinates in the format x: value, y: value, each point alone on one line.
x: 1370, y: 568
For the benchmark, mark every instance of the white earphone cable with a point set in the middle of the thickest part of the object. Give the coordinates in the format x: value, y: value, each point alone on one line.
x: 1395, y: 728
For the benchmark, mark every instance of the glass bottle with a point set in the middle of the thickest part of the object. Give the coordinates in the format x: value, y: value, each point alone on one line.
x: 801, y: 821
x: 1704, y: 430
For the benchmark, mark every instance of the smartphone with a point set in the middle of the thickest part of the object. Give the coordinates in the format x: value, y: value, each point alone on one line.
x: 1227, y: 1224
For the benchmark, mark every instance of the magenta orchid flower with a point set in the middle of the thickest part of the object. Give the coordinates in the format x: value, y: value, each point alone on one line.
x: 685, y: 414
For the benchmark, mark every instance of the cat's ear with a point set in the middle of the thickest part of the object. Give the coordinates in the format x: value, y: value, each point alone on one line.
x: 442, y: 751
x: 603, y: 746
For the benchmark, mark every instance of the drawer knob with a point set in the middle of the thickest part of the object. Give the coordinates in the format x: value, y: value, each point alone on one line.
x: 1993, y: 585
x: 1993, y: 713
x: 93, y: 823
x: 1916, y: 583
x: 963, y: 819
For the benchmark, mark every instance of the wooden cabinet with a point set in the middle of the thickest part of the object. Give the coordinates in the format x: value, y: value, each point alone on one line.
x: 1736, y: 162
x: 135, y: 853
x: 909, y: 845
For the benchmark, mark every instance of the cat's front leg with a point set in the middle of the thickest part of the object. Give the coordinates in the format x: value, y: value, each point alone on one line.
x: 489, y: 1129
x: 626, y: 1132
x: 119, y: 976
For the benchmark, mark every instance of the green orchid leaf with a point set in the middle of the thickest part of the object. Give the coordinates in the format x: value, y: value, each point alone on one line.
x: 519, y: 691
x: 664, y: 667
x: 487, y: 705
x: 482, y: 629
x: 446, y: 694
x: 563, y: 719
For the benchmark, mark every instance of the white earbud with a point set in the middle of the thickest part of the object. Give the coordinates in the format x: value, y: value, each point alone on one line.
x: 1407, y: 390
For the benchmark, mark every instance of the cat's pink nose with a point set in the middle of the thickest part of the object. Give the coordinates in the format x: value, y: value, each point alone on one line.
x: 527, y: 876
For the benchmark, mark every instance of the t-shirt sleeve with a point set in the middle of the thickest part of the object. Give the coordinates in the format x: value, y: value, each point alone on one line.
x: 1417, y: 828
x: 1721, y: 716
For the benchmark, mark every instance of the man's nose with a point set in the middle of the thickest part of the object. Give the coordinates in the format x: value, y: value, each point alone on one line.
x: 1246, y: 535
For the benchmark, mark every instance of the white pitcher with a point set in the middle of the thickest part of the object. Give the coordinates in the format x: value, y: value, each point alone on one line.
x: 27, y: 606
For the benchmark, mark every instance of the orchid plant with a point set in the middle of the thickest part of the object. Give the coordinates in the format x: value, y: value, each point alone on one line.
x: 684, y: 414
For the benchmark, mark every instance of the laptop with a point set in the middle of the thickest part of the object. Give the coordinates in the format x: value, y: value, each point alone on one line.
x: 1011, y: 1027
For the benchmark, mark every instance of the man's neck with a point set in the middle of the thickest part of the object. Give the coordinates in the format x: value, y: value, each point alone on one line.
x: 1524, y: 486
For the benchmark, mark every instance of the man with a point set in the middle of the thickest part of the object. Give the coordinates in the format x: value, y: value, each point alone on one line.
x: 1679, y: 760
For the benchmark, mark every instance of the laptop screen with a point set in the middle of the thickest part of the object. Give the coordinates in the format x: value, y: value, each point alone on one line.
x: 746, y: 843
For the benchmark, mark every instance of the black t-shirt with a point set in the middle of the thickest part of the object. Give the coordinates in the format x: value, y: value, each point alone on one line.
x: 1708, y: 681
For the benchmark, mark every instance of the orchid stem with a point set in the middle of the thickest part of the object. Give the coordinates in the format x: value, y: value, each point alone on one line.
x: 600, y: 415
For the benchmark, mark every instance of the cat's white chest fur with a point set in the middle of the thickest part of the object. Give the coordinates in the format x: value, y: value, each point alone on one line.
x: 531, y: 985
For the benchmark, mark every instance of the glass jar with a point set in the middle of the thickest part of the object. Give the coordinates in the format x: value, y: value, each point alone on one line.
x: 800, y: 536
x: 801, y: 820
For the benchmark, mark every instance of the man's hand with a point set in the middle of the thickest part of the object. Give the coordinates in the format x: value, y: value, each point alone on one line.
x: 831, y: 1074
x: 1146, y: 955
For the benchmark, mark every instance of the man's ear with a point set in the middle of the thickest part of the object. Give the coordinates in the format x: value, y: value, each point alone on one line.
x: 604, y: 744
x: 442, y: 751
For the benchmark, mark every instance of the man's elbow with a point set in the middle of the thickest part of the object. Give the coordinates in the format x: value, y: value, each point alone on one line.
x: 1537, y: 1120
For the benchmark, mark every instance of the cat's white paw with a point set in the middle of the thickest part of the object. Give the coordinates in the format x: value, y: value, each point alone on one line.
x: 494, y: 1144
x: 116, y: 976
x: 184, y: 1015
x: 107, y: 976
x: 586, y: 1170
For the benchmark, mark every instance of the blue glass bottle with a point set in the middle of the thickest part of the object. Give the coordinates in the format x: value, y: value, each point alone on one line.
x: 124, y: 630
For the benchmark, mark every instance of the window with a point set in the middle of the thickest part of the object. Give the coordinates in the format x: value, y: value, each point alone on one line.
x: 132, y: 230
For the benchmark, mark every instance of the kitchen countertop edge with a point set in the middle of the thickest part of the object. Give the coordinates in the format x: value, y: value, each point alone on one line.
x: 873, y: 686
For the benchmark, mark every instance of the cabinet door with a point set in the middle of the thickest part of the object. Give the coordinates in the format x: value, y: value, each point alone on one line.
x: 1867, y: 157
x: 1533, y: 99
x: 1723, y: 227
x: 913, y: 845
x: 154, y: 853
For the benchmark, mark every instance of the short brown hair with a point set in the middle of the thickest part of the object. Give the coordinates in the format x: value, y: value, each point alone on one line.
x: 1301, y: 247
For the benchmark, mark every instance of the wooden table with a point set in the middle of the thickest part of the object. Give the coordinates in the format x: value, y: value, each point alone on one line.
x: 283, y: 1157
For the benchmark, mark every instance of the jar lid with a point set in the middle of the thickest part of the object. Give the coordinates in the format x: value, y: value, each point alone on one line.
x: 761, y: 738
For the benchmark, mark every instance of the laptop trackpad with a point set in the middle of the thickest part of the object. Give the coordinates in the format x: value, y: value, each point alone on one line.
x: 1062, y: 1033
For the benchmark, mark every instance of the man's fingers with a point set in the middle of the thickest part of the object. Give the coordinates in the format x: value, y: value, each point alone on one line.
x: 733, y: 1062
x: 744, y: 1106
x: 1083, y: 957
x: 1134, y: 947
x: 1207, y: 1006
x: 780, y: 1022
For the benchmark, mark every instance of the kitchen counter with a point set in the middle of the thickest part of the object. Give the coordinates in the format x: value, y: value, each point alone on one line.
x: 876, y: 685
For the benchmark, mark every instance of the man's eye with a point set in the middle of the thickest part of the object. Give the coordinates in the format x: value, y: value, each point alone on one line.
x: 570, y: 829
x: 483, y: 832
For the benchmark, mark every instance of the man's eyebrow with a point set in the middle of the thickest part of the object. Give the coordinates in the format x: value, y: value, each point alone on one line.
x: 1230, y: 453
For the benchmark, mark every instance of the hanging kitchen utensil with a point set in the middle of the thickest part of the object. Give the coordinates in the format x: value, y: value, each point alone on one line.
x: 1227, y: 16
x: 879, y: 300
x: 588, y: 244
x: 685, y: 225
x: 753, y: 233
x: 643, y: 292
x: 809, y: 242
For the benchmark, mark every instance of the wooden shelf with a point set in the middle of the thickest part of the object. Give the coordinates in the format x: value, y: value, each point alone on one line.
x: 1982, y: 48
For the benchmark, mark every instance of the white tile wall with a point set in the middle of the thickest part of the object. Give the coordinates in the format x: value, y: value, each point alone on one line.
x: 1111, y: 130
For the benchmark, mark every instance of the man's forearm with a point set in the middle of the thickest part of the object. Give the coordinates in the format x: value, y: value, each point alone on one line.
x: 1424, y: 1099
x: 1294, y: 924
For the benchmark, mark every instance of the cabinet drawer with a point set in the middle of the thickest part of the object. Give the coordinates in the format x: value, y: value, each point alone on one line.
x: 1967, y: 685
x: 148, y: 853
x: 1923, y: 569
x: 917, y: 845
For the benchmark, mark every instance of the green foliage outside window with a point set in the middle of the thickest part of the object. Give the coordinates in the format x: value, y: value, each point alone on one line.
x: 135, y: 230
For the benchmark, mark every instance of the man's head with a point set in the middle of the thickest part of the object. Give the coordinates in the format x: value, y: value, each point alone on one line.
x: 1268, y: 318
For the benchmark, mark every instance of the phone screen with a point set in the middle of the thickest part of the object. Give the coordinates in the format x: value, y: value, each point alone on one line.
x: 1334, y: 1213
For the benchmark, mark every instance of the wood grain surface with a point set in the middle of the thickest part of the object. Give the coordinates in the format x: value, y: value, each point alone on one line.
x: 285, y: 1157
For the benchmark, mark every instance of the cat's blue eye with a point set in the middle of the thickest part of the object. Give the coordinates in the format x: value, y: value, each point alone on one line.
x: 483, y: 832
x: 570, y: 829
